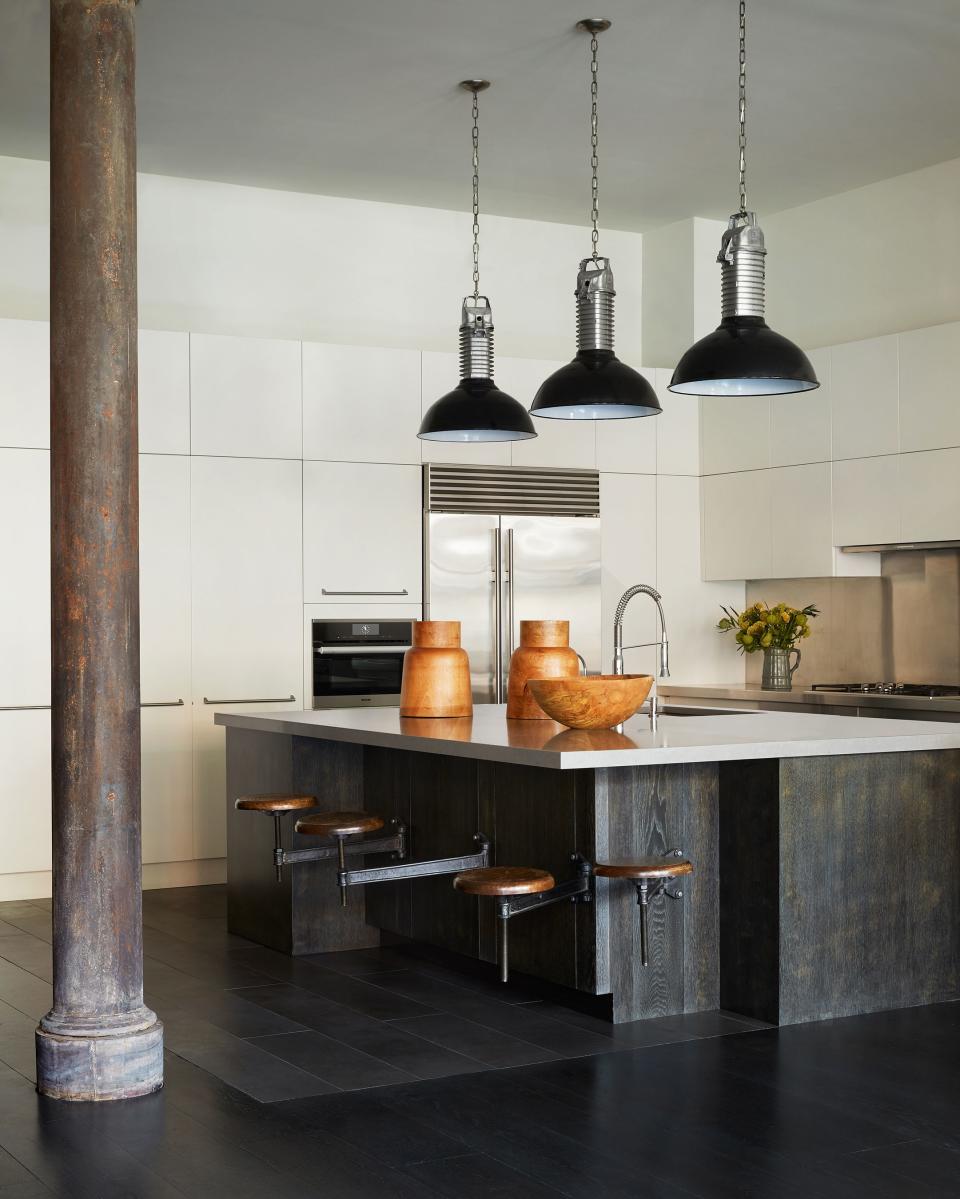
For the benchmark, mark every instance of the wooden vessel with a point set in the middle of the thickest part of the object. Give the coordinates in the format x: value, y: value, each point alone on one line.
x: 544, y: 653
x: 436, y: 672
x: 595, y: 702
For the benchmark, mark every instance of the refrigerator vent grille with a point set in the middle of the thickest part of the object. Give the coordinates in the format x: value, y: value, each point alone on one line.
x: 512, y: 490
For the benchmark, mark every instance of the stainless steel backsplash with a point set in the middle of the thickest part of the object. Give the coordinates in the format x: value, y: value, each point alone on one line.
x: 903, y: 625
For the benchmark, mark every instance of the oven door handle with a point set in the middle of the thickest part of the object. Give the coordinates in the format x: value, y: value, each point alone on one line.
x: 357, y: 651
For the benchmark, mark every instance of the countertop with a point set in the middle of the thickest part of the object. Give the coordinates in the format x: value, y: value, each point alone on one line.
x: 723, y: 737
x: 829, y: 699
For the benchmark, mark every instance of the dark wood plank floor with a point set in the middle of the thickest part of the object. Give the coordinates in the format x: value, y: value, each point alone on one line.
x: 271, y: 1064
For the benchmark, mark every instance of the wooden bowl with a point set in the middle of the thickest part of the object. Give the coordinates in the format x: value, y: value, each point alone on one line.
x: 597, y: 701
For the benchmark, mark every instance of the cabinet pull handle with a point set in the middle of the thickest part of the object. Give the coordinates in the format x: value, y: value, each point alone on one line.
x: 324, y: 591
x: 283, y: 699
x: 164, y: 703
x: 26, y: 708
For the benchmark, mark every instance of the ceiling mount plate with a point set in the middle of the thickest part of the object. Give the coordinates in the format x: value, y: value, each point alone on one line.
x: 474, y: 85
x: 594, y: 24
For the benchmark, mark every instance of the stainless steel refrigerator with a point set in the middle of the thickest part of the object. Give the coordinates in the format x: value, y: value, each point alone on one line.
x: 505, y: 544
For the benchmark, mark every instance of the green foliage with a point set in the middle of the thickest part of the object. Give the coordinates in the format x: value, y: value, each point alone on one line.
x: 759, y: 627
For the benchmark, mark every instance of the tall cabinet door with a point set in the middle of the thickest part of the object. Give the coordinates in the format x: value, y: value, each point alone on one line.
x: 247, y: 609
x: 462, y: 585
x: 552, y: 572
x: 166, y: 727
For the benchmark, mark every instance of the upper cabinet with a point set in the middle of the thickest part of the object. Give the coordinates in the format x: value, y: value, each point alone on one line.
x: 930, y: 496
x: 164, y: 392
x: 735, y: 433
x: 929, y: 370
x: 360, y: 403
x: 866, y: 508
x: 800, y: 421
x: 800, y: 522
x: 362, y: 532
x: 864, y: 398
x: 25, y: 384
x: 245, y: 397
x: 629, y: 446
x: 559, y: 443
x: 440, y: 373
x: 736, y: 526
x: 677, y: 430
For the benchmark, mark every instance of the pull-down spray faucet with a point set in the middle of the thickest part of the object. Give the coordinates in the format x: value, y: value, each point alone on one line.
x: 663, y: 644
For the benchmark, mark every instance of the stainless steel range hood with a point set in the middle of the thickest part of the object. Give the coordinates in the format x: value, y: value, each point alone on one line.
x: 891, y: 546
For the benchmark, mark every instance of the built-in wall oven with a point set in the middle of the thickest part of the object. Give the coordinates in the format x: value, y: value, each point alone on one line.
x: 358, y: 662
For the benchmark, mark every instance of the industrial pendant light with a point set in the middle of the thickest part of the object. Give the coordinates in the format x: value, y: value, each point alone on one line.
x: 596, y: 385
x: 476, y: 409
x: 743, y: 356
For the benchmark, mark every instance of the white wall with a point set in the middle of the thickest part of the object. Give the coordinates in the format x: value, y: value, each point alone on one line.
x: 681, y: 294
x: 880, y: 259
x: 218, y: 258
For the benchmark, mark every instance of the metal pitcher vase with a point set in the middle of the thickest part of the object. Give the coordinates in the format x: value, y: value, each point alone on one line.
x: 777, y: 671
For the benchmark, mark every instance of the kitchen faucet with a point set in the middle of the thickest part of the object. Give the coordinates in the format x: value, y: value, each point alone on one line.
x: 664, y: 645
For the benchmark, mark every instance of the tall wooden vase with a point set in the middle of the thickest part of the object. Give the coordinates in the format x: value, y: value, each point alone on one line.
x: 436, y: 672
x: 544, y: 653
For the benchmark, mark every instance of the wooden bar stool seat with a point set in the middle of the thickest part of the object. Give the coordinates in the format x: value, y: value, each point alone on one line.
x: 651, y: 877
x: 504, y: 880
x: 338, y: 824
x: 275, y: 803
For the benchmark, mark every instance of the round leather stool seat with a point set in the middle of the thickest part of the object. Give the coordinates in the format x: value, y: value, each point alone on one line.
x: 338, y: 824
x: 504, y: 880
x: 276, y: 803
x: 640, y: 868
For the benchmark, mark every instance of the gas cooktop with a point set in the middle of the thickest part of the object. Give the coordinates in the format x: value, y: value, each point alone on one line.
x: 924, y: 690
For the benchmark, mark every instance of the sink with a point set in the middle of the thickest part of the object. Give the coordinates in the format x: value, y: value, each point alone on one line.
x: 683, y: 710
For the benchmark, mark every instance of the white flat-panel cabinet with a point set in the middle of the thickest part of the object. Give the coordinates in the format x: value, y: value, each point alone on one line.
x: 800, y: 516
x: 866, y: 501
x: 864, y: 398
x: 360, y: 403
x: 677, y: 430
x: 247, y: 613
x: 25, y: 791
x: 800, y: 421
x: 25, y: 384
x: 736, y: 526
x: 166, y: 727
x: 930, y: 496
x: 362, y: 532
x: 735, y: 433
x: 559, y: 443
x: 628, y: 555
x: 440, y: 373
x: 929, y: 373
x: 25, y: 591
x: 245, y: 397
x: 163, y: 388
x: 629, y: 446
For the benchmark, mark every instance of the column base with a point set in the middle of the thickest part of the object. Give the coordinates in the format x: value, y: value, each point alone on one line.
x: 99, y: 1068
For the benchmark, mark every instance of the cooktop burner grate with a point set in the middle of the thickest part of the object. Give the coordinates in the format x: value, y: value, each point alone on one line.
x: 923, y: 690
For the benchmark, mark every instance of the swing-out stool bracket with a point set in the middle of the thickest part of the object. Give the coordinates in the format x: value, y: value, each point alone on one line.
x: 576, y: 890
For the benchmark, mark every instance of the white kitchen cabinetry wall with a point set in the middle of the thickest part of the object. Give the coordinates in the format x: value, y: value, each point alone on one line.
x: 929, y: 376
x: 628, y: 446
x: 362, y: 532
x: 865, y: 397
x: 247, y: 610
x: 800, y: 522
x: 628, y: 504
x: 440, y: 373
x: 245, y: 397
x: 25, y: 384
x: 559, y: 443
x: 25, y: 791
x: 163, y: 387
x: 165, y: 652
x: 866, y: 501
x: 930, y: 496
x: 25, y: 592
x: 360, y: 403
x: 737, y: 526
x: 677, y: 430
x: 800, y: 422
x: 735, y: 433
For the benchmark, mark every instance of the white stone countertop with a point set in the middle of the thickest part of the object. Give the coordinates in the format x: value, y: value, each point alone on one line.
x: 722, y: 737
x: 800, y: 695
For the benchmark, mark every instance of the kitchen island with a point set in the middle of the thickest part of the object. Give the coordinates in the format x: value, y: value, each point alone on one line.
x: 826, y: 851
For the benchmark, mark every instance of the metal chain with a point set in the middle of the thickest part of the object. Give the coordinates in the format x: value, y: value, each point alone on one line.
x: 594, y: 156
x: 743, y: 107
x: 476, y: 198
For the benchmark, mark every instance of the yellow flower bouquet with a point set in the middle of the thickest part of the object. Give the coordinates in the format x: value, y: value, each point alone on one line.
x: 759, y: 627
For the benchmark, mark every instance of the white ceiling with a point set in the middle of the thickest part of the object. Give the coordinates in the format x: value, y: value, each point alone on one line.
x: 359, y: 99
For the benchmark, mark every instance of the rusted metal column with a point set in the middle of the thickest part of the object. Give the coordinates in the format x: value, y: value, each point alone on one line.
x: 99, y: 1041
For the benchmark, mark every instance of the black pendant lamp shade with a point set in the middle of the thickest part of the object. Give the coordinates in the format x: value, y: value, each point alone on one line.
x: 743, y: 355
x: 476, y: 409
x: 596, y: 385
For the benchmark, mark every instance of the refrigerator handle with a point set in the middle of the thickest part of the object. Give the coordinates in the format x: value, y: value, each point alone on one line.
x: 509, y: 596
x: 498, y: 619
